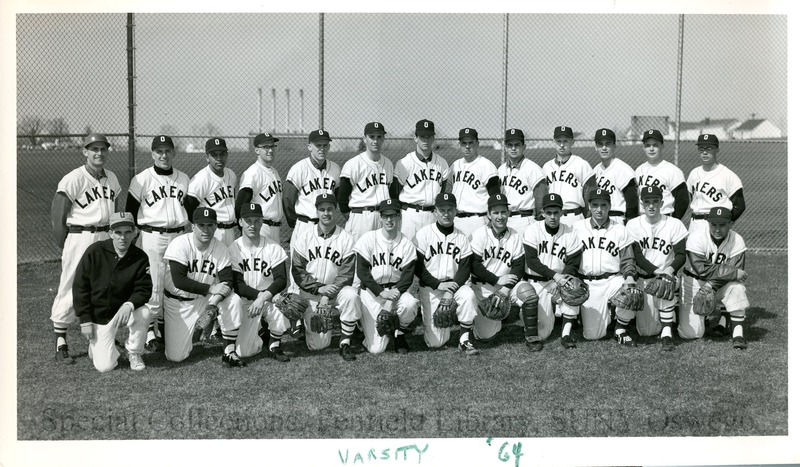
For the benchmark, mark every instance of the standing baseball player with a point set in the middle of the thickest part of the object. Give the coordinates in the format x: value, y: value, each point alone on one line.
x: 198, y: 286
x: 660, y: 251
x: 365, y: 182
x: 443, y: 267
x: 713, y: 184
x: 82, y: 206
x: 665, y: 175
x: 214, y: 186
x: 385, y: 263
x: 323, y: 266
x: 614, y: 176
x: 522, y: 181
x: 566, y: 175
x: 474, y: 178
x: 607, y: 265
x: 112, y: 285
x: 261, y: 184
x: 421, y: 175
x: 259, y: 273
x: 155, y: 197
x: 715, y: 262
x: 552, y: 253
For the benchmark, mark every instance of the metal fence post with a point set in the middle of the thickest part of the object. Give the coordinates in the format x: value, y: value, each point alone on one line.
x: 679, y: 91
x: 322, y: 70
x: 505, y: 89
x: 131, y: 99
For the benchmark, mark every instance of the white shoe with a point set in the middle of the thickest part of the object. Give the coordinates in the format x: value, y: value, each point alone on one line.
x: 137, y: 364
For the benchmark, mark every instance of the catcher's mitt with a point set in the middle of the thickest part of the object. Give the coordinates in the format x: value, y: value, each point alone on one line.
x: 704, y: 302
x: 445, y: 314
x: 292, y: 305
x: 629, y: 297
x: 206, y: 320
x: 387, y: 322
x: 663, y: 286
x: 574, y: 292
x: 496, y: 306
x: 322, y: 319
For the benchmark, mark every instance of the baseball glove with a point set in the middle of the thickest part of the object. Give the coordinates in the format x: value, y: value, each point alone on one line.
x: 629, y: 297
x: 663, y: 286
x: 445, y: 314
x: 496, y: 306
x: 574, y: 292
x: 387, y: 322
x: 206, y: 320
x: 292, y: 305
x: 322, y: 319
x: 704, y: 302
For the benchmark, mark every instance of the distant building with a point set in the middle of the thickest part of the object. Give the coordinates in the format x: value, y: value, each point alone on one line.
x: 720, y: 127
x: 756, y: 129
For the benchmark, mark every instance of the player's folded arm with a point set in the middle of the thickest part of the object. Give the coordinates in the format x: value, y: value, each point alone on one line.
x: 721, y: 274
x: 426, y: 279
x: 535, y: 264
x: 241, y: 288
x: 346, y: 272
x: 279, y: 278
x: 641, y: 262
x: 679, y: 250
x: 302, y: 277
x: 627, y: 262
x: 364, y: 271
x: 180, y: 277
x: 406, y: 276
x: 480, y: 271
x: 464, y: 270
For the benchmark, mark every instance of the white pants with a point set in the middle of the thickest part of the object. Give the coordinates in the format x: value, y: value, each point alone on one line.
x: 349, y: 306
x: 520, y: 223
x: 155, y: 244
x: 102, y: 347
x: 570, y: 219
x: 272, y: 232
x: 467, y: 225
x: 413, y: 220
x: 595, y: 312
x: 227, y: 236
x: 648, y: 320
x: 248, y: 342
x: 406, y: 310
x: 548, y: 306
x: 359, y: 223
x: 467, y: 310
x: 181, y: 316
x: 690, y: 326
x: 63, y: 312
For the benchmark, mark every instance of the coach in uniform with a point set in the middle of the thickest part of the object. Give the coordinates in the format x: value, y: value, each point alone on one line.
x: 566, y: 175
x: 522, y: 181
x: 474, y: 179
x: 82, y: 206
x: 655, y: 171
x: 614, y: 176
x: 112, y: 285
x: 261, y: 184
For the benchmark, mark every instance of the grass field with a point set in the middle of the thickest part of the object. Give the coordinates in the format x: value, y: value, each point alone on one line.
x: 704, y: 388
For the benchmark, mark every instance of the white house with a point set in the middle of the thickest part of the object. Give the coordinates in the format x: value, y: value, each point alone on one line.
x: 756, y: 129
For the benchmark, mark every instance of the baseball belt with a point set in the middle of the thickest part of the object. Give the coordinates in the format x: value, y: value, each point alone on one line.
x: 573, y: 211
x: 227, y: 226
x: 361, y: 209
x: 605, y: 275
x: 470, y: 214
x: 692, y: 275
x: 87, y: 228
x: 303, y: 218
x: 528, y: 212
x: 162, y: 230
x: 530, y: 277
x: 387, y: 285
x: 272, y: 223
x: 700, y: 216
x: 171, y: 295
x: 417, y: 207
x: 616, y: 213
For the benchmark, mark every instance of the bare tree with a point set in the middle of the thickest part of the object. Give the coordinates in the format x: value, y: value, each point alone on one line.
x: 58, y: 127
x: 31, y: 127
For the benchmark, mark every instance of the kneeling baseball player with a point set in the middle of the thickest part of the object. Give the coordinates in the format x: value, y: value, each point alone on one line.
x: 198, y: 291
x: 112, y: 285
x: 323, y: 267
x: 443, y: 266
x: 259, y: 274
x: 385, y: 261
x: 714, y: 272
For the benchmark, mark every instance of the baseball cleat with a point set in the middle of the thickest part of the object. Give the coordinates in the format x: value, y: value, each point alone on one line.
x: 718, y: 331
x: 625, y: 339
x: 400, y: 344
x: 63, y: 356
x: 346, y: 353
x: 739, y: 343
x: 468, y: 349
x: 534, y: 346
x: 277, y: 354
x: 232, y: 360
x: 135, y: 359
x: 568, y: 342
x: 667, y: 344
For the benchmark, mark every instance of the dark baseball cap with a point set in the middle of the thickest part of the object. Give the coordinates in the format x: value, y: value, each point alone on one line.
x: 497, y: 200
x: 318, y: 135
x: 651, y: 192
x: 562, y: 131
x: 204, y: 215
x: 214, y: 144
x: 515, y: 134
x: 162, y: 140
x: 95, y: 138
x: 707, y: 139
x: 467, y: 133
x: 719, y: 214
x: 552, y: 199
x: 605, y: 133
x: 425, y: 128
x: 264, y: 138
x: 374, y: 127
x: 655, y: 134
x: 599, y: 193
x: 252, y: 210
x: 389, y: 205
x: 121, y: 218
x: 445, y: 199
x: 325, y: 198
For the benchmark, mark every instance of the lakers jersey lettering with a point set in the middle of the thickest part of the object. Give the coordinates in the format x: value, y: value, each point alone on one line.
x: 499, y: 253
x: 650, y: 180
x: 255, y: 265
x: 271, y: 190
x: 424, y: 175
x: 553, y: 249
x: 467, y: 177
x: 97, y: 192
x: 443, y: 248
x: 655, y: 243
x: 600, y: 243
x: 606, y: 184
x: 219, y: 195
x: 707, y: 189
x: 562, y: 176
x: 315, y: 184
x: 387, y: 259
x: 164, y: 193
x: 511, y: 182
x: 206, y: 267
x: 372, y: 180
x: 327, y: 253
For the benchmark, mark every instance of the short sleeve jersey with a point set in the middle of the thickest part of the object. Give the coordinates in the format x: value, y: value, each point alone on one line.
x: 93, y: 201
x: 517, y: 183
x: 217, y: 193
x: 387, y: 257
x: 312, y: 182
x: 657, y: 240
x: 204, y: 266
x: 421, y: 181
x: 712, y: 189
x: 324, y: 255
x: 441, y: 252
x: 567, y: 180
x: 267, y: 189
x: 469, y: 183
x: 614, y: 179
x: 497, y: 254
x: 256, y: 264
x: 664, y: 175
x: 160, y: 198
x: 601, y: 247
x: 552, y: 250
x: 370, y: 179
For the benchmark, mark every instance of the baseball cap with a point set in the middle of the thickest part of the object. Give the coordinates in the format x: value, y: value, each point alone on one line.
x: 718, y: 214
x: 552, y: 199
x: 214, y: 144
x: 445, y: 199
x: 425, y: 128
x: 599, y: 193
x: 204, y: 215
x: 251, y: 210
x: 651, y: 192
x: 467, y: 133
x: 389, y: 205
x: 605, y: 133
x: 562, y: 131
x: 318, y: 135
x: 264, y: 138
x: 94, y: 138
x: 497, y: 200
x: 325, y: 198
x: 162, y: 140
x: 707, y: 139
x: 121, y: 218
x: 515, y: 134
x: 374, y: 127
x: 655, y: 134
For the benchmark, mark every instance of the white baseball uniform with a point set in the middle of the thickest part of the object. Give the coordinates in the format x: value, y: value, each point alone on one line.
x: 218, y: 193
x: 267, y: 193
x: 567, y: 180
x: 517, y: 183
x: 181, y: 308
x: 310, y: 183
x: 710, y: 189
x: 421, y: 181
x: 370, y: 181
x: 469, y: 181
x: 657, y: 242
x: 92, y: 202
x: 664, y: 175
x: 614, y: 179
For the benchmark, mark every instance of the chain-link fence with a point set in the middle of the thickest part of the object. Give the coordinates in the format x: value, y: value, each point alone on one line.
x: 233, y: 75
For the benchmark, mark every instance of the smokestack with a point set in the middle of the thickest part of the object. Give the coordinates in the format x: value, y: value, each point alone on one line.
x: 273, y: 110
x: 288, y: 102
x: 302, y: 112
x: 260, y: 116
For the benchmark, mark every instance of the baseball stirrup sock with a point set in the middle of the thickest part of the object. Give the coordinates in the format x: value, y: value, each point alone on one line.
x: 274, y: 340
x: 621, y: 325
x: 348, y: 328
x: 567, y: 326
x: 737, y: 323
